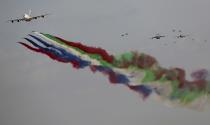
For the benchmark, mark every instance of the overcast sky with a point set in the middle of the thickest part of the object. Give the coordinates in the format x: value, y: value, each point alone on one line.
x: 35, y: 90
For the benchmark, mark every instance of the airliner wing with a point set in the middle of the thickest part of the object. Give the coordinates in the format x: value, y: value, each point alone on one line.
x: 40, y: 16
x: 16, y: 20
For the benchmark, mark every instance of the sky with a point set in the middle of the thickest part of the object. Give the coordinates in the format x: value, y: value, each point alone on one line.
x: 35, y: 90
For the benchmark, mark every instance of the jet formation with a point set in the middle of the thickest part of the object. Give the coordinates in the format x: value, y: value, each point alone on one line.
x: 158, y: 36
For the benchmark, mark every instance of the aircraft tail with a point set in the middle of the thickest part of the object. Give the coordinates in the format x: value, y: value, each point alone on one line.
x: 29, y: 13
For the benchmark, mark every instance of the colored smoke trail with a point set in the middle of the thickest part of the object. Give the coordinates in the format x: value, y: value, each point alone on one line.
x: 138, y: 71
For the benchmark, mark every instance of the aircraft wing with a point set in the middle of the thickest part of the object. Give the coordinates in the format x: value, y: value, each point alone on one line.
x: 16, y: 20
x: 40, y: 16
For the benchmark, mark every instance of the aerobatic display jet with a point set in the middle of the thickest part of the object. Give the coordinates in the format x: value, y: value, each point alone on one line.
x: 27, y: 17
x: 181, y: 36
x: 158, y: 36
x: 125, y: 34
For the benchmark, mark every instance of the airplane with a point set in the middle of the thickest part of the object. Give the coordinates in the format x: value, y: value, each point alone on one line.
x: 181, y: 36
x: 125, y: 34
x: 27, y: 17
x: 158, y: 36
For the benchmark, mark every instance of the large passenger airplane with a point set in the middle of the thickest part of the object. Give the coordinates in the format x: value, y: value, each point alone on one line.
x: 27, y: 17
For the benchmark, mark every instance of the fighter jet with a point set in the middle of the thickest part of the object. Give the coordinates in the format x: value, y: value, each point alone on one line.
x: 125, y: 34
x: 158, y: 36
x: 27, y: 17
x: 181, y: 36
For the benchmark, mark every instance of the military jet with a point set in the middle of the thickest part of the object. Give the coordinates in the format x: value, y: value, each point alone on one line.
x: 181, y: 36
x: 158, y: 36
x: 27, y: 17
x: 125, y: 34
